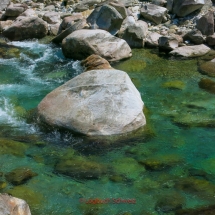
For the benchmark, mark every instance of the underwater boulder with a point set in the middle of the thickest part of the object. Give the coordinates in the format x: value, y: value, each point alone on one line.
x: 19, y: 175
x: 94, y: 103
x: 80, y: 168
x: 207, y: 84
x: 208, y: 68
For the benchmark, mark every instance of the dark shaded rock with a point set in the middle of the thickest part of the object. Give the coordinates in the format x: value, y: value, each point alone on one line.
x: 206, y: 23
x: 194, y: 36
x: 106, y: 18
x: 76, y: 26
x: 184, y: 7
x: 154, y: 13
x: 15, y: 10
x: 161, y: 162
x: 207, y: 84
x: 211, y: 40
x: 26, y: 28
x: 95, y: 62
x: 169, y: 202
x: 19, y: 176
x: 167, y: 43
x: 196, y: 186
x: 204, y: 210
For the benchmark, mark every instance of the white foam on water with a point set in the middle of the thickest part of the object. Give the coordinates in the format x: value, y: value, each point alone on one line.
x: 8, y: 116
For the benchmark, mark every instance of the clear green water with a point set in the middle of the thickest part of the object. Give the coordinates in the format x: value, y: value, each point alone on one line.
x: 175, y: 164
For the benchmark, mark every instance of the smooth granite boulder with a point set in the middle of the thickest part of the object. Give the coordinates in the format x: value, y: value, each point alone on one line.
x: 82, y: 43
x: 95, y: 103
x: 191, y: 51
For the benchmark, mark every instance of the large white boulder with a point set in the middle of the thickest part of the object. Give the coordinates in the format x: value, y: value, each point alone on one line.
x: 82, y: 43
x: 97, y: 102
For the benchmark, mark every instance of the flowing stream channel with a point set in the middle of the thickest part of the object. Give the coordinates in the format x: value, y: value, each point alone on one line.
x: 170, y: 168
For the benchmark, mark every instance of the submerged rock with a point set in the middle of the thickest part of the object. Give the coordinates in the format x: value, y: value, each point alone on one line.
x: 208, y: 68
x: 98, y: 102
x: 82, y: 43
x: 196, y: 186
x: 128, y: 167
x: 13, y: 206
x: 170, y: 202
x: 19, y: 176
x: 26, y: 28
x: 207, y: 84
x: 161, y: 162
x: 204, y: 210
x: 80, y: 168
x: 12, y: 147
x: 179, y: 85
x: 195, y: 120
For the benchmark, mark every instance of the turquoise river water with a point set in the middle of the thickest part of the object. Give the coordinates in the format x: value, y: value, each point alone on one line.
x: 168, y: 169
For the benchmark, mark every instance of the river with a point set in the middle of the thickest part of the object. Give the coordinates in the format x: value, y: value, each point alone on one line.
x: 171, y: 166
